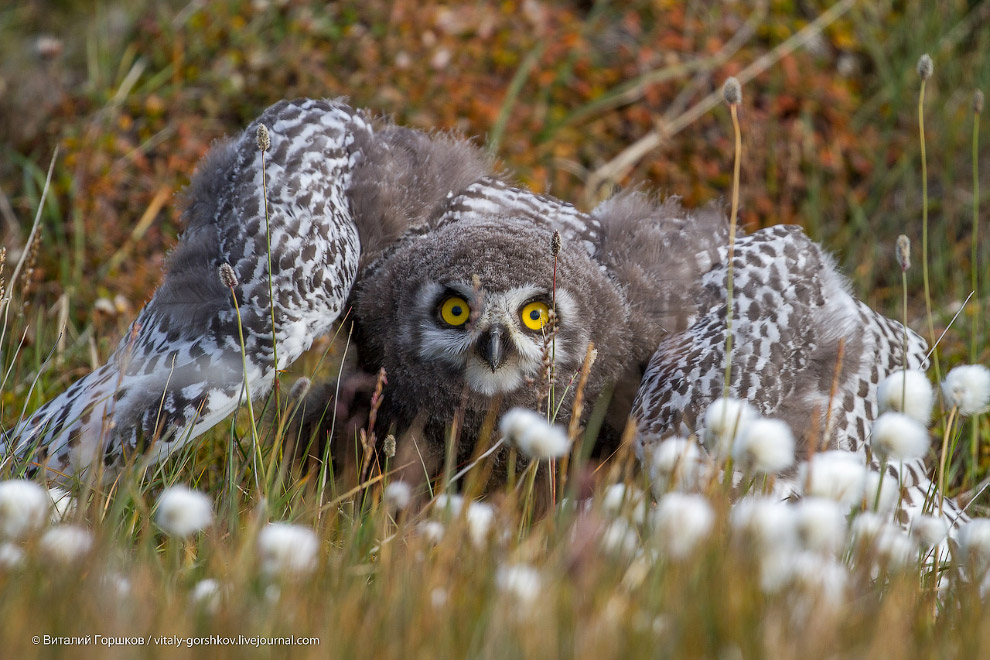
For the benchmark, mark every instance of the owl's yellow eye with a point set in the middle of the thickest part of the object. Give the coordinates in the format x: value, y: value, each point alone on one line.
x: 455, y: 311
x: 535, y: 315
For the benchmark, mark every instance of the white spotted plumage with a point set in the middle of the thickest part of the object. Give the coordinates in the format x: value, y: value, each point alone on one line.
x: 178, y: 370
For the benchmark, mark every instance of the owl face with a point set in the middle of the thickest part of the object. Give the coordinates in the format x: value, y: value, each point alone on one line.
x: 469, y: 307
x: 497, y: 339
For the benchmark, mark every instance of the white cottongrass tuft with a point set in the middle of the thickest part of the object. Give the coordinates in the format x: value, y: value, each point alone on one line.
x: 520, y: 581
x: 895, y: 548
x: 206, y: 596
x: 479, y: 517
x: 432, y: 531
x: 821, y: 525
x: 63, y: 504
x: 821, y: 583
x: 620, y: 539
x: 438, y: 597
x: 836, y: 475
x: 65, y: 544
x: 765, y: 445
x: 725, y: 419
x: 974, y: 539
x: 767, y: 524
x: 24, y: 508
x: 10, y: 556
x: 285, y: 549
x: 681, y: 522
x: 533, y: 435
x: 929, y: 531
x: 909, y: 392
x: 967, y: 387
x: 619, y: 499
x: 119, y: 584
x: 820, y: 577
x: 398, y: 495
x: 182, y: 511
x: 676, y: 463
x: 448, y: 504
x: 867, y: 526
x: 899, y: 437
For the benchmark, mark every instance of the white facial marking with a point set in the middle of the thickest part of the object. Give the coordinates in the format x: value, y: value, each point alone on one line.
x: 456, y: 346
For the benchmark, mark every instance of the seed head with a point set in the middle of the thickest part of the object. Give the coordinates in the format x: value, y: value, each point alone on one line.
x: 974, y: 539
x: 398, y: 495
x: 65, y: 544
x: 911, y: 388
x: 837, y: 475
x: 531, y: 433
x: 929, y: 531
x: 731, y: 91
x: 11, y: 556
x: 978, y: 101
x: 389, y: 446
x: 682, y: 521
x: 765, y: 445
x: 24, y: 508
x: 227, y: 275
x: 821, y: 524
x: 521, y: 582
x: 968, y: 387
x: 480, y: 518
x: 555, y: 243
x: 182, y: 511
x: 904, y: 252
x: 899, y: 437
x: 676, y: 462
x: 925, y: 66
x: 206, y: 596
x: 287, y: 549
x: 263, y: 138
x: 725, y: 420
x: 766, y: 524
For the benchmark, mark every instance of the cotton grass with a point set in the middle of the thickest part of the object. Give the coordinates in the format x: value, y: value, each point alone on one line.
x: 182, y: 512
x: 24, y: 507
x: 65, y: 544
x: 908, y: 392
x: 681, y: 522
x: 533, y: 435
x: 287, y: 550
x: 967, y: 387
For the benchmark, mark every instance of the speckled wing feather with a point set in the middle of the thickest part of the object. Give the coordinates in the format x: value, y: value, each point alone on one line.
x: 178, y: 371
x: 804, y: 351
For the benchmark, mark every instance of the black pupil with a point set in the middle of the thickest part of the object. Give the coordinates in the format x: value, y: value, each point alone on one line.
x: 456, y: 310
x: 535, y: 315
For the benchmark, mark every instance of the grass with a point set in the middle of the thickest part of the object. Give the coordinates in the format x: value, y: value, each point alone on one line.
x: 141, y: 90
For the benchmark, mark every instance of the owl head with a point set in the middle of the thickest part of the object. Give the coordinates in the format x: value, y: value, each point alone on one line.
x: 477, y: 306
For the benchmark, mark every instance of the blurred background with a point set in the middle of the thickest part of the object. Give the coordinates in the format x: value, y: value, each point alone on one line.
x: 574, y: 98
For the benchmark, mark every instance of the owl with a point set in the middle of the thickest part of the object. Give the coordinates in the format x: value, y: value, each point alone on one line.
x: 473, y: 295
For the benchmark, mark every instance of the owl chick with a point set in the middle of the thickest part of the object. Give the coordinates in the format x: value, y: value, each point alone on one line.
x: 459, y: 296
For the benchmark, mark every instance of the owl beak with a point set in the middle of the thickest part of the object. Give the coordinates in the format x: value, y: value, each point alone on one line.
x: 491, y: 347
